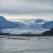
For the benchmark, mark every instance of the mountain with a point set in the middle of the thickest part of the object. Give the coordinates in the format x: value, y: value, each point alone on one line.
x: 28, y: 24
x: 36, y: 24
x: 39, y: 21
x: 8, y: 24
x: 31, y: 26
x: 34, y: 21
x: 48, y: 33
x: 48, y: 25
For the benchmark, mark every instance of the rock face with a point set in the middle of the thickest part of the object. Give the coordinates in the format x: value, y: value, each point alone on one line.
x: 48, y: 33
x: 8, y: 24
x: 48, y: 25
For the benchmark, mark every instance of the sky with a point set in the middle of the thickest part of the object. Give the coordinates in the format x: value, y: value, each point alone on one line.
x: 26, y: 9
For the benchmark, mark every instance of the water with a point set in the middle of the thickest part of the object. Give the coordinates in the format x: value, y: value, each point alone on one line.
x: 15, y: 44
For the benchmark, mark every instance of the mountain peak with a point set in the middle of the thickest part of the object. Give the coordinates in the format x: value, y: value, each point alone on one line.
x: 4, y: 24
x: 39, y: 20
x: 48, y: 25
x: 2, y: 18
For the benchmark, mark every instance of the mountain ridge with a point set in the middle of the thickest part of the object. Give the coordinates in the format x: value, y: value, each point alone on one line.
x: 48, y: 25
x: 8, y: 24
x: 31, y: 24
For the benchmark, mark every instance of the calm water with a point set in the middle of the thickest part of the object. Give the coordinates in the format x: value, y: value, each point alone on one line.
x: 13, y: 44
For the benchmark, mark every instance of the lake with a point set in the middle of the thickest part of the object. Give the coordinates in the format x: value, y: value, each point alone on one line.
x: 24, y: 44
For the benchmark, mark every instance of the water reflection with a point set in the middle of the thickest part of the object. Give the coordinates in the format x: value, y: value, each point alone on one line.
x: 22, y: 44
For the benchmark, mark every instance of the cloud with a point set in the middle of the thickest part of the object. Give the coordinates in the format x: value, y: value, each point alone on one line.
x: 33, y: 7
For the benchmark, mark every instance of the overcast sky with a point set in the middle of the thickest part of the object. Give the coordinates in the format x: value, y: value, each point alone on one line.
x: 26, y: 8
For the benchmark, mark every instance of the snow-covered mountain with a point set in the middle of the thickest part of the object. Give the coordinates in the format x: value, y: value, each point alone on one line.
x: 48, y: 25
x: 35, y: 24
x: 24, y: 26
x: 8, y: 24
